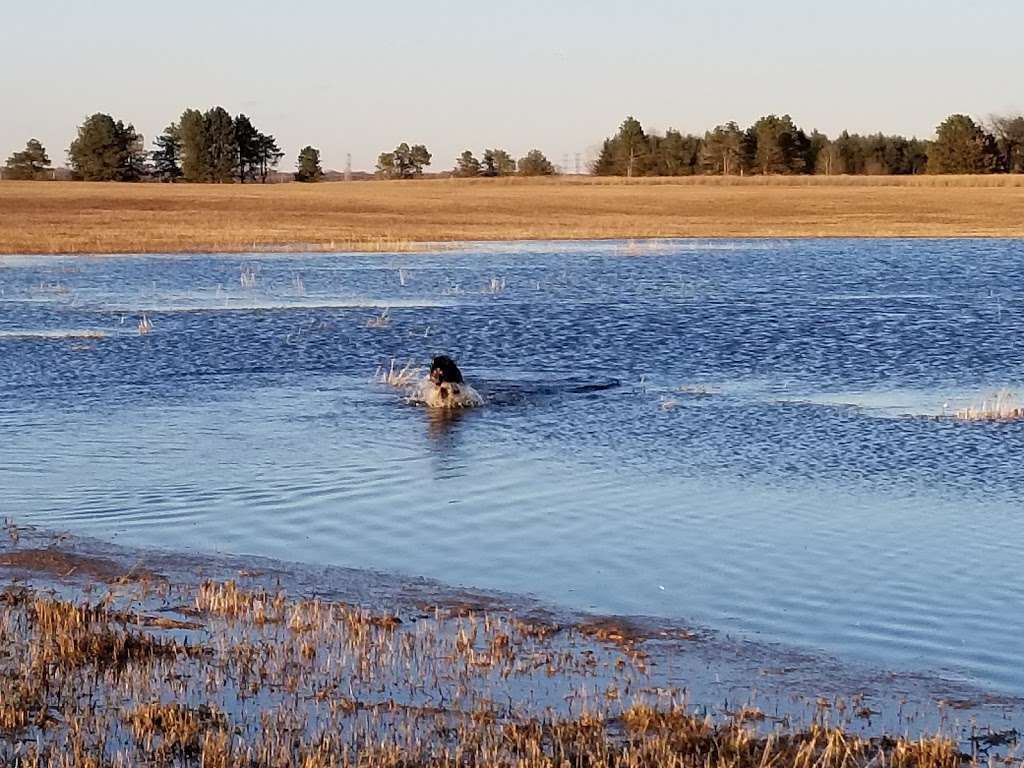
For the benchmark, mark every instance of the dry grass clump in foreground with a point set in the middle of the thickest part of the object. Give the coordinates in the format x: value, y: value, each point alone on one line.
x: 251, y: 678
x: 72, y: 217
x: 1001, y: 406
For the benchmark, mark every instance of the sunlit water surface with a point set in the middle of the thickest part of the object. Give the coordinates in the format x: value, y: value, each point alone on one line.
x: 740, y: 434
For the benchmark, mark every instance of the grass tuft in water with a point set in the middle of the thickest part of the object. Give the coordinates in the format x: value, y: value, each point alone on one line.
x: 1001, y: 406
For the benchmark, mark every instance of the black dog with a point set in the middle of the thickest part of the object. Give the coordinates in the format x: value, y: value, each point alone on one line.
x: 445, y: 387
x: 443, y: 370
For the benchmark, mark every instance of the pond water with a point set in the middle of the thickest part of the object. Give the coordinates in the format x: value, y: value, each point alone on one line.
x: 749, y: 435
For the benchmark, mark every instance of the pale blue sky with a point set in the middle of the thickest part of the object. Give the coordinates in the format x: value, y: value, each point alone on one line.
x: 361, y: 77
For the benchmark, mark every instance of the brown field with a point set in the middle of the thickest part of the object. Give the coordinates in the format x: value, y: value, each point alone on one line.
x: 69, y: 217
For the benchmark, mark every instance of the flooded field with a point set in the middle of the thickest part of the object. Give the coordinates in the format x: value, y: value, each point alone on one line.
x: 756, y: 437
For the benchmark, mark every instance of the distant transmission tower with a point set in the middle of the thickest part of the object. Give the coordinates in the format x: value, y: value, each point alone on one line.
x: 348, y: 166
x: 579, y: 168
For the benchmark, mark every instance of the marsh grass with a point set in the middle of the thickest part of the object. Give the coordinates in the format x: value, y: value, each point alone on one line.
x: 263, y: 680
x: 1000, y: 406
x: 398, y: 217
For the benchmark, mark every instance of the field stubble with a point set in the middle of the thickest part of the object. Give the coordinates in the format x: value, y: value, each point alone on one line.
x: 70, y: 217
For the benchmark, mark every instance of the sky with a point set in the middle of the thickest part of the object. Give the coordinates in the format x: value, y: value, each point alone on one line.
x: 361, y: 77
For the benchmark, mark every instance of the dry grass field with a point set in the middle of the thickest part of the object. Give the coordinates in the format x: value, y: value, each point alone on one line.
x: 69, y: 217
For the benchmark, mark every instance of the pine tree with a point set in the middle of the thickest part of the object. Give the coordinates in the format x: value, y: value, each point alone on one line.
x: 674, y: 154
x: 721, y: 149
x: 404, y: 163
x: 604, y: 165
x: 28, y: 164
x: 309, y: 165
x: 1009, y: 132
x: 221, y: 149
x: 195, y: 164
x: 247, y: 143
x: 962, y: 146
x: 779, y: 146
x: 626, y: 153
x: 167, y: 156
x: 534, y: 163
x: 268, y: 155
x: 467, y: 166
x: 632, y: 146
x: 105, y: 150
x: 497, y: 162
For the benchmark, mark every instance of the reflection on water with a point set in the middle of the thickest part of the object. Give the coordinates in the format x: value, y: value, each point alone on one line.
x: 741, y: 434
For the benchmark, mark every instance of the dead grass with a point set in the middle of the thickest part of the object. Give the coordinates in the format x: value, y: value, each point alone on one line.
x: 70, y: 217
x: 265, y: 680
x: 1001, y: 406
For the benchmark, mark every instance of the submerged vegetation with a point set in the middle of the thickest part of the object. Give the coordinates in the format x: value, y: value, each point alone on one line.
x: 224, y: 675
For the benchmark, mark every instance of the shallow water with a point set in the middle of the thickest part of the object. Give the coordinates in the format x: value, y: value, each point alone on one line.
x: 798, y: 489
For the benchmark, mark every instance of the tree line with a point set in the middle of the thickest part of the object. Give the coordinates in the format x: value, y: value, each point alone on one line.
x: 205, y: 147
x: 213, y: 147
x: 776, y: 145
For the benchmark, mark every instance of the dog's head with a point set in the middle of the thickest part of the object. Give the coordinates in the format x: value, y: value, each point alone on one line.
x: 444, y: 370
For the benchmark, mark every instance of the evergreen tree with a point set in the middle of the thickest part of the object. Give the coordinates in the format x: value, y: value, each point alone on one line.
x: 221, y: 149
x: 816, y: 144
x: 28, y: 164
x: 467, y: 166
x: 604, y: 165
x: 626, y: 153
x: 917, y: 156
x: 1009, y: 132
x: 720, y: 151
x: 268, y: 155
x: 780, y: 147
x: 404, y: 163
x: 673, y: 154
x: 632, y: 146
x: 247, y: 144
x: 167, y: 156
x: 962, y: 146
x: 309, y: 165
x: 534, y: 163
x: 195, y: 162
x: 105, y: 150
x: 497, y: 162
x: 849, y: 154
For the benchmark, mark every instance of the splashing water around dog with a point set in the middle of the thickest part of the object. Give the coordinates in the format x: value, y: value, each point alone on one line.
x: 445, y: 387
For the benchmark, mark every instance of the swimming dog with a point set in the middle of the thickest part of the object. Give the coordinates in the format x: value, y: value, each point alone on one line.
x: 445, y: 386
